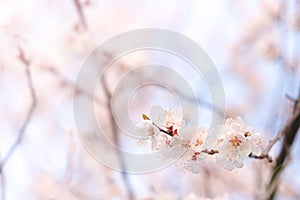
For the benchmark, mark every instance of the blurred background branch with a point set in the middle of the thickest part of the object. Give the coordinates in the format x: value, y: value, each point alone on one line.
x: 116, y: 139
x: 289, y: 133
x: 79, y: 10
x: 22, y: 131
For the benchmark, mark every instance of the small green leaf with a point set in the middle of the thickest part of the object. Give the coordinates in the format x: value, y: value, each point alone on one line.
x: 145, y: 117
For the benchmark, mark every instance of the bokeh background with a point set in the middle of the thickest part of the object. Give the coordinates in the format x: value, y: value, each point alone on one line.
x: 255, y: 47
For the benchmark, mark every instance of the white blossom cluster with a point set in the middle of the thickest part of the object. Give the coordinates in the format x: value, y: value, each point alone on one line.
x: 171, y: 137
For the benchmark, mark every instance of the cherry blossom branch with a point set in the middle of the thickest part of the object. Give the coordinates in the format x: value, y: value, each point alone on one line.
x: 213, y: 151
x: 264, y: 155
x: 170, y: 133
x: 22, y: 130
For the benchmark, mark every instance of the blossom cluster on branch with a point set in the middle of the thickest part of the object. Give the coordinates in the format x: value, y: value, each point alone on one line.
x: 171, y: 137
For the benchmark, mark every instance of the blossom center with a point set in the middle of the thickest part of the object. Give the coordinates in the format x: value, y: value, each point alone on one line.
x: 198, y: 142
x: 194, y: 157
x: 235, y: 141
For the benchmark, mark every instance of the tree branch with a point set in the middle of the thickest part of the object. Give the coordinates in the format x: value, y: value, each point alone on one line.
x: 289, y: 132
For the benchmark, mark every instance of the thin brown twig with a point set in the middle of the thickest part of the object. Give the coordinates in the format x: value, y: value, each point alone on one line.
x: 272, y: 142
x: 210, y: 152
x: 22, y: 130
x: 265, y: 153
x: 163, y: 131
x: 261, y: 156
x: 289, y: 132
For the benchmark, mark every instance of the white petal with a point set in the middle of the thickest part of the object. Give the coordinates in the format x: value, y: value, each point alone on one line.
x: 194, y: 166
x: 239, y: 163
x: 157, y: 115
x: 175, y: 141
x: 224, y: 162
x: 154, y: 144
x: 245, y: 148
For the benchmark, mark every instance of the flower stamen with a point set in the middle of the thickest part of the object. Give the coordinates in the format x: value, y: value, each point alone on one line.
x: 235, y: 142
